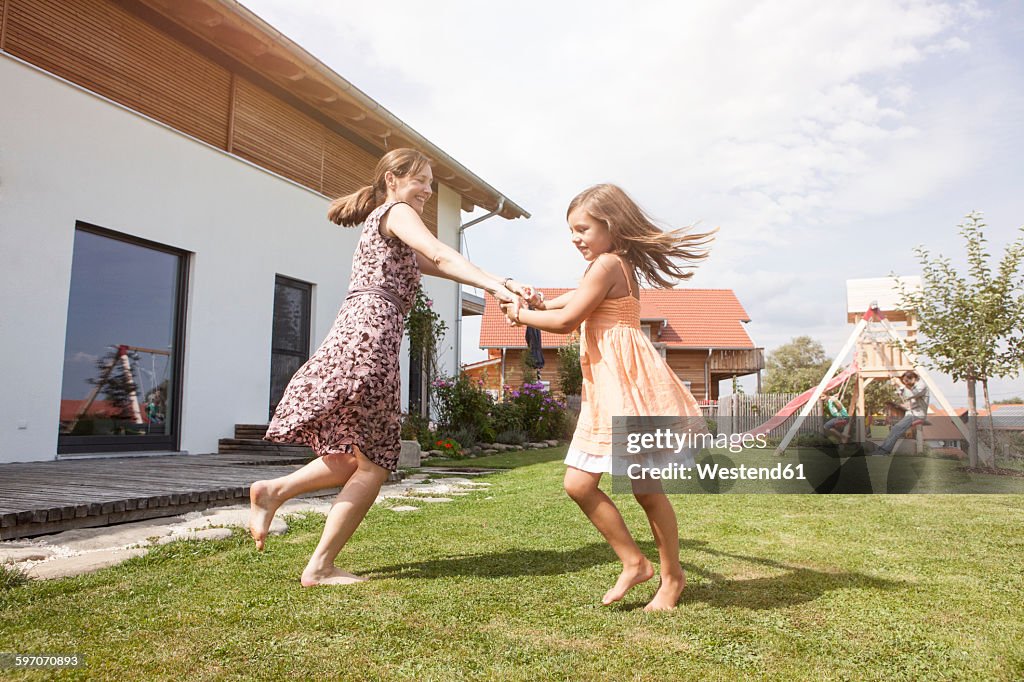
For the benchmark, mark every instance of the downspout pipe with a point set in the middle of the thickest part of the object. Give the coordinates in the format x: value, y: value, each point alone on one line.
x: 707, y: 376
x: 501, y: 205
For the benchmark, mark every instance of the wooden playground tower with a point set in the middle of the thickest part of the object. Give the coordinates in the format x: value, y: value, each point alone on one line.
x: 882, y: 340
x: 877, y: 355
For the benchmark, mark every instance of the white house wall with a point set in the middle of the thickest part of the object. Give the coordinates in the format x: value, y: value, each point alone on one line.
x: 67, y: 155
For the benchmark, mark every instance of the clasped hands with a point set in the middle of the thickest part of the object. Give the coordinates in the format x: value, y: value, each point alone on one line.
x: 525, y: 295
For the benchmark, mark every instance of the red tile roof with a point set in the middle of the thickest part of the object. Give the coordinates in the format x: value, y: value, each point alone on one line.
x: 696, y: 318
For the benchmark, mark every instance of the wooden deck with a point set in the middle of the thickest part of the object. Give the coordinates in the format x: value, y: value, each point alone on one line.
x: 37, y: 498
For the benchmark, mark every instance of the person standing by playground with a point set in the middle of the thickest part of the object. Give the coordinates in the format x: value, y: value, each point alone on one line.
x: 914, y: 396
x: 344, y: 402
x: 623, y: 374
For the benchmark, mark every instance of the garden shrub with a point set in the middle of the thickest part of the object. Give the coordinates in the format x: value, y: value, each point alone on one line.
x: 506, y: 416
x: 461, y: 404
x: 543, y: 416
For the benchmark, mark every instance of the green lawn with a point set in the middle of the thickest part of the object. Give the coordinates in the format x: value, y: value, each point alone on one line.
x: 505, y: 584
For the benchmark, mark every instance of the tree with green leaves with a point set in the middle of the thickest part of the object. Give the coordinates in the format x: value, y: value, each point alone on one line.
x: 877, y: 395
x: 970, y: 326
x: 796, y: 366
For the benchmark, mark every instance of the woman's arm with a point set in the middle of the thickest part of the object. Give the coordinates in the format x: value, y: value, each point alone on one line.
x: 427, y: 266
x: 434, y: 256
x: 594, y: 288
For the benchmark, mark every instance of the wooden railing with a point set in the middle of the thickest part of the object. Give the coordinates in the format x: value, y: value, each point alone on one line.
x: 740, y: 360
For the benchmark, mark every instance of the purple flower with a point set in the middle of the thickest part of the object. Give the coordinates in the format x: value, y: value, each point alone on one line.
x: 430, y: 303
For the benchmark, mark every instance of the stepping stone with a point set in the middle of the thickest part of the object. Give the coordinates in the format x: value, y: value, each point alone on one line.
x: 433, y: 499
x: 234, y: 517
x: 83, y: 563
x: 135, y: 533
x: 13, y: 555
x: 204, y: 534
x: 404, y: 508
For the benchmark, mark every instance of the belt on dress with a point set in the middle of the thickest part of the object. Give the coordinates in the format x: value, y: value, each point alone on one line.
x: 386, y: 294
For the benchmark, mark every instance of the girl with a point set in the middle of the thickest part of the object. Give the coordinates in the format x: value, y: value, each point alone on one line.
x: 344, y: 402
x: 623, y: 374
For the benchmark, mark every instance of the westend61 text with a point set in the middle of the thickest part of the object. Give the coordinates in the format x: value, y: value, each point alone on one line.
x: 710, y: 471
x: 667, y: 439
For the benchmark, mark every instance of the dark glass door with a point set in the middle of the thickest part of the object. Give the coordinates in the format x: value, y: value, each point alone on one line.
x: 121, y: 386
x: 290, y: 342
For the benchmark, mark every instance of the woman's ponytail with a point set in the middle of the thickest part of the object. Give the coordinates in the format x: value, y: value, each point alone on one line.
x: 352, y: 209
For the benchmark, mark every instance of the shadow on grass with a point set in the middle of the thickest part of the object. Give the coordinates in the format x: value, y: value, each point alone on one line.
x: 794, y: 585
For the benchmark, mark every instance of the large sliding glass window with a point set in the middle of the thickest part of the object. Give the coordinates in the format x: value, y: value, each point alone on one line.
x: 122, y: 354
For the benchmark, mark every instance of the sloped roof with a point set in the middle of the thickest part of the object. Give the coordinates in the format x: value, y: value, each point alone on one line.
x: 1008, y: 416
x: 695, y: 318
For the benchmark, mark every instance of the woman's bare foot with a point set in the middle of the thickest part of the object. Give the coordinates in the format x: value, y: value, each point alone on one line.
x: 667, y: 596
x: 262, y: 505
x: 630, y: 576
x: 332, y: 576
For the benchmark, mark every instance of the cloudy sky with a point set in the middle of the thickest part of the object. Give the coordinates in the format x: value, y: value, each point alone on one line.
x: 826, y: 140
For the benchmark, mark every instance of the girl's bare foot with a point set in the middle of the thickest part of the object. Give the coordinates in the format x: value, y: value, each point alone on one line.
x: 630, y: 576
x: 332, y: 576
x: 262, y: 505
x: 667, y: 596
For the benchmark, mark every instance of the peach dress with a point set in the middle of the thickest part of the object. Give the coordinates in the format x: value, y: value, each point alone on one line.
x: 623, y: 375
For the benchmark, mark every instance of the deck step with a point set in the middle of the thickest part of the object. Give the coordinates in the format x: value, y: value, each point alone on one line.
x: 262, y: 447
x: 250, y: 431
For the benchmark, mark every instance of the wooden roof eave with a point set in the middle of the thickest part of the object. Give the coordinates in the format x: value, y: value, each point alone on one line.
x: 231, y: 27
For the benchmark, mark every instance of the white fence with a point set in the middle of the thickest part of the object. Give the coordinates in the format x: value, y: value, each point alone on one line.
x: 739, y: 413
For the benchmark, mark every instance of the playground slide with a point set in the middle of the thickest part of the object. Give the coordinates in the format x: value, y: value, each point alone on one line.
x: 796, y: 403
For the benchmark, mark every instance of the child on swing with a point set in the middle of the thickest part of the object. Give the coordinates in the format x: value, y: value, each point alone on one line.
x: 623, y: 374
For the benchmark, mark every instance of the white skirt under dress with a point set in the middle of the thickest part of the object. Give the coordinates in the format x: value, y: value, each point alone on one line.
x: 602, y: 464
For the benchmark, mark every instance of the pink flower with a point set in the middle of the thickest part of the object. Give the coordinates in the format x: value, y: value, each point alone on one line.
x: 430, y: 304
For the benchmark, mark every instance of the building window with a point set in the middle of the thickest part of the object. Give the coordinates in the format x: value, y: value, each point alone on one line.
x: 289, y: 345
x: 121, y: 386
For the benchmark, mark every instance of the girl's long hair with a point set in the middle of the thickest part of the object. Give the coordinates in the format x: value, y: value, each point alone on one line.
x: 661, y: 257
x: 352, y: 209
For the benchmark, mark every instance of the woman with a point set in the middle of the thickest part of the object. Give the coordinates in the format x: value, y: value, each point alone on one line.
x: 344, y: 402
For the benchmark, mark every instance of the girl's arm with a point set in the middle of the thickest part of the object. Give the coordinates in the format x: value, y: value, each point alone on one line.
x: 594, y: 288
x: 434, y: 256
x: 557, y: 302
